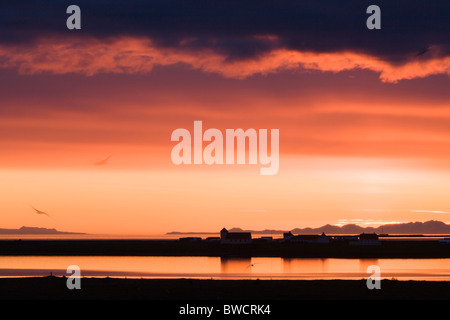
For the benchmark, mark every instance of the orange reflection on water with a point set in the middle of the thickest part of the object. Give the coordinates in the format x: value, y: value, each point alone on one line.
x: 225, y: 268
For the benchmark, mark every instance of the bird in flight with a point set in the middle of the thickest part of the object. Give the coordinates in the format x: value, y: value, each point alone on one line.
x: 423, y: 51
x: 102, y: 162
x: 40, y: 212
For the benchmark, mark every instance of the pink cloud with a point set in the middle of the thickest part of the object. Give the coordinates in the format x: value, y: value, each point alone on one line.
x: 139, y: 55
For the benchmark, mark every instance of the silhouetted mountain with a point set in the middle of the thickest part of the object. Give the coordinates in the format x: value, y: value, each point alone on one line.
x: 428, y: 227
x: 34, y: 230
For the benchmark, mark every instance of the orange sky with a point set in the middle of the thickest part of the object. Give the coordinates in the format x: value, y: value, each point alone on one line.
x: 359, y: 138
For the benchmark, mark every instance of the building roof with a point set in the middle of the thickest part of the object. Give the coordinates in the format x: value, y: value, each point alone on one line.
x: 224, y: 230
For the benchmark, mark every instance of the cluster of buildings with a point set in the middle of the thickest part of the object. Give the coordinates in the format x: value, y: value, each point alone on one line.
x: 227, y: 237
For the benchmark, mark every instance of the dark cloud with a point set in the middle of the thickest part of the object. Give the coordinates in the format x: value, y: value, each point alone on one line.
x: 234, y: 28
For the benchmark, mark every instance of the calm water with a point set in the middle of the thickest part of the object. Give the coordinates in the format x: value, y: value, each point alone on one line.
x: 214, y: 267
x: 167, y: 236
x: 220, y: 268
x: 96, y: 236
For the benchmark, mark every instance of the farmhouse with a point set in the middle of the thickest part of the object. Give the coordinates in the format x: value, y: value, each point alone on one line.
x: 235, y: 237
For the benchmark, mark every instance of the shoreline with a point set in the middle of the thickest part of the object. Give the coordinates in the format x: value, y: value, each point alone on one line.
x: 54, y: 288
x: 386, y: 249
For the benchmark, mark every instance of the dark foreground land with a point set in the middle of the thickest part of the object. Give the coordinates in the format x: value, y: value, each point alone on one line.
x: 387, y: 249
x: 54, y: 288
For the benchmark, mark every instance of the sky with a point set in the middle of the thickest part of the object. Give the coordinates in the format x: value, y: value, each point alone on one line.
x: 363, y: 115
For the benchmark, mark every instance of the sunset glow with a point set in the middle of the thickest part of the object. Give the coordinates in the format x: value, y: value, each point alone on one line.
x: 86, y: 121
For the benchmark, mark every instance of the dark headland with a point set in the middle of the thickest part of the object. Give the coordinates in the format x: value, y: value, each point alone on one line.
x: 338, y: 249
x: 34, y: 230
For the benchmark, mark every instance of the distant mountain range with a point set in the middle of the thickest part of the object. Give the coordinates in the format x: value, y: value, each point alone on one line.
x: 428, y: 227
x: 34, y: 230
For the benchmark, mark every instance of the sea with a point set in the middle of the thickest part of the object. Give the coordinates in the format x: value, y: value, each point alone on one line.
x: 170, y: 267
